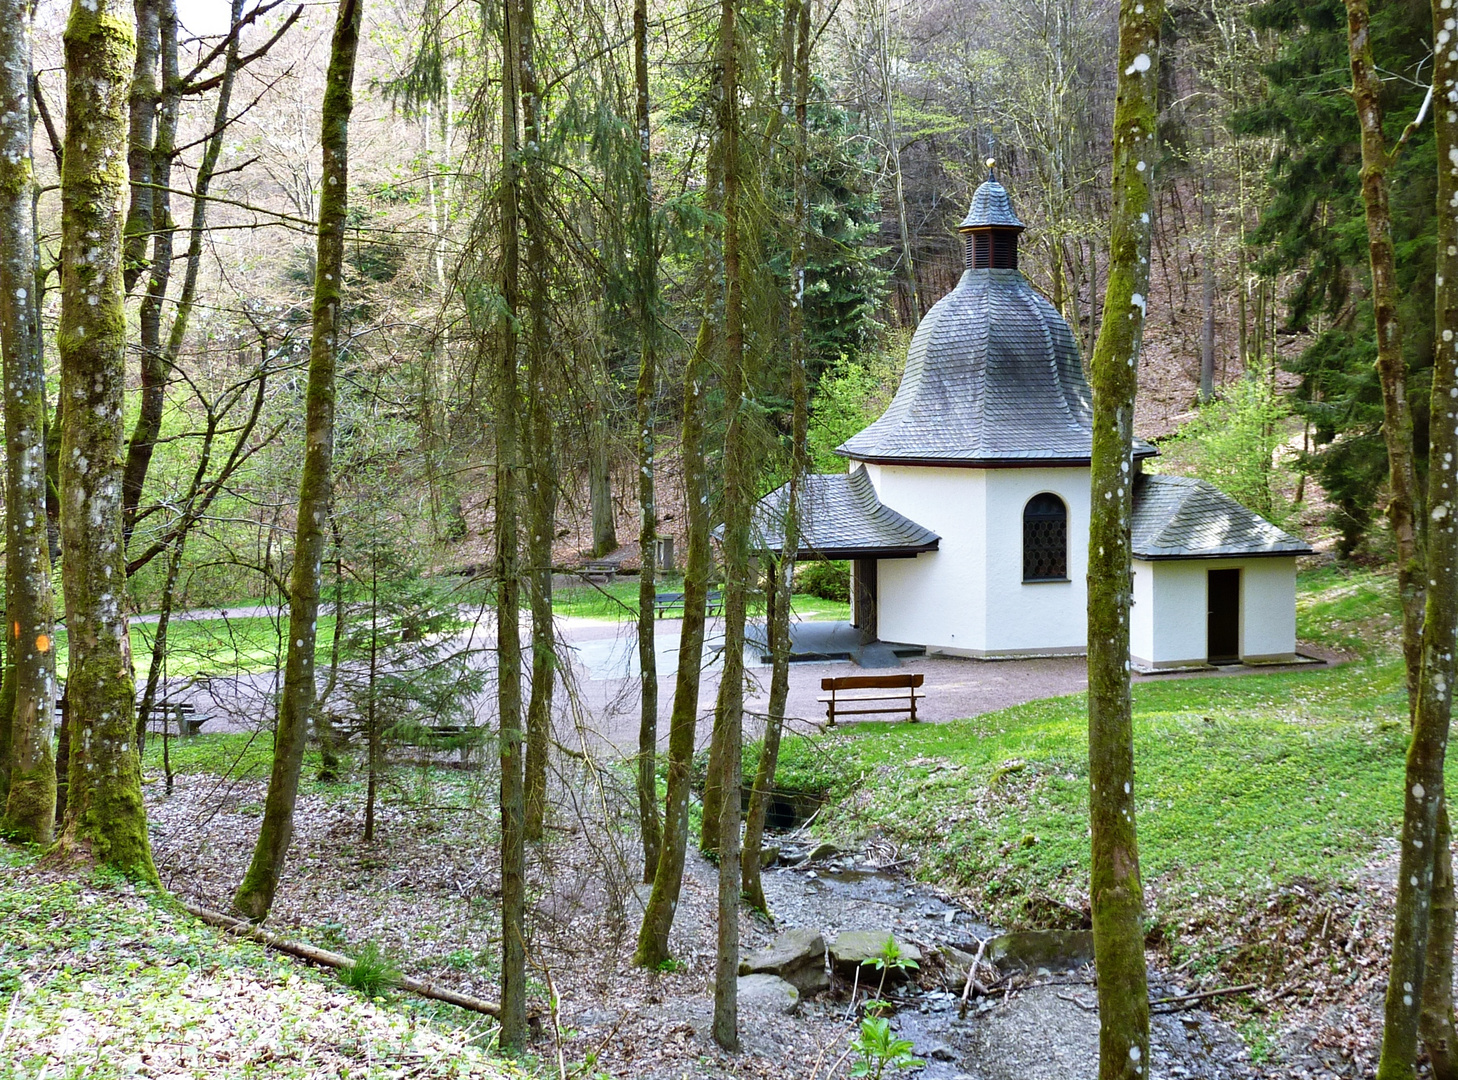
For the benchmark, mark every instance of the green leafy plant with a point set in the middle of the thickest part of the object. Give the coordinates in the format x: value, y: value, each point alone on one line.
x: 828, y: 579
x: 372, y: 972
x: 881, y: 1050
x: 671, y: 966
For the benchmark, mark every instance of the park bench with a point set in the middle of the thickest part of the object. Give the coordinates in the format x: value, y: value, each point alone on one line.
x: 181, y: 713
x: 666, y: 602
x: 600, y: 571
x: 852, y: 694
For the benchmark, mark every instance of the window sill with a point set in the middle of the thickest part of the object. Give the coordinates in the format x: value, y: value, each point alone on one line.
x: 1045, y: 580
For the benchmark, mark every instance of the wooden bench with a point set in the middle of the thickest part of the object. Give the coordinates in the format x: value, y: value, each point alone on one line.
x: 600, y: 571
x: 183, y: 713
x: 843, y: 699
x: 666, y: 602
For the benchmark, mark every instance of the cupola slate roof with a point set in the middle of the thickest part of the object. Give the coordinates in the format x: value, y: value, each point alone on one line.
x: 992, y: 377
x: 840, y: 518
x: 991, y: 206
x: 1179, y: 517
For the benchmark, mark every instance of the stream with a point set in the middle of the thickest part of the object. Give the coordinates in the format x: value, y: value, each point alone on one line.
x: 1045, y: 1028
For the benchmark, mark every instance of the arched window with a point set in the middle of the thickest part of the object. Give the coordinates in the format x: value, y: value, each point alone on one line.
x: 1045, y: 539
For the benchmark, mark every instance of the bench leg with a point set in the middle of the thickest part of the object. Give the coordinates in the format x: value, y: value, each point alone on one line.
x: 830, y: 708
x: 913, y: 708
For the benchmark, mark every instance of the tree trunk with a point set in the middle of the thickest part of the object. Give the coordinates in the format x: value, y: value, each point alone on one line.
x: 255, y: 894
x: 738, y: 497
x: 1207, y: 285
x: 27, y: 766
x: 1423, y: 785
x: 600, y: 478
x: 515, y: 48
x: 782, y: 580
x: 668, y: 876
x: 142, y: 110
x: 647, y: 282
x: 105, y: 816
x: 1117, y: 894
x: 542, y: 461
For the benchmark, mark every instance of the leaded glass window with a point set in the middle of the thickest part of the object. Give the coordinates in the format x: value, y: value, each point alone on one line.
x: 1045, y: 539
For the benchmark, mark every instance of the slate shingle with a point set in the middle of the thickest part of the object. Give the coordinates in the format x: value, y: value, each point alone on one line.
x: 991, y: 206
x: 1178, y: 517
x: 840, y: 518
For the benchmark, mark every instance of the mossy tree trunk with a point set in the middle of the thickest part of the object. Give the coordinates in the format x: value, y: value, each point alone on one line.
x: 646, y: 272
x: 1436, y: 1021
x: 105, y: 818
x: 256, y: 893
x: 738, y: 478
x: 542, y: 461
x: 1117, y: 893
x: 668, y: 875
x: 27, y: 763
x: 797, y: 15
x: 507, y: 569
x: 1423, y: 782
x: 142, y: 116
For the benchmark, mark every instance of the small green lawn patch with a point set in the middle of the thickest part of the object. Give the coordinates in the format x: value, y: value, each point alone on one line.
x: 618, y: 601
x: 210, y: 646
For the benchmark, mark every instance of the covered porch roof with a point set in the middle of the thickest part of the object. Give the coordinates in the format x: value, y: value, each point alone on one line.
x: 840, y: 518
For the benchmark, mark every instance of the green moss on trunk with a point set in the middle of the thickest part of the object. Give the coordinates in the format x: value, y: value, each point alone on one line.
x: 105, y: 817
x: 1117, y: 893
x: 255, y: 894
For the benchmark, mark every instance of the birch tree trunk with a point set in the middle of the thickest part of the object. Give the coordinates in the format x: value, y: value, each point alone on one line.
x: 1423, y: 784
x: 647, y: 274
x: 1436, y: 1019
x: 255, y: 894
x: 105, y: 818
x: 27, y: 764
x: 784, y: 567
x: 507, y: 570
x: 1117, y: 892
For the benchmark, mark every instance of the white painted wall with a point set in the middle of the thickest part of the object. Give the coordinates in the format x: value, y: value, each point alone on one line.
x: 1180, y: 610
x: 938, y: 599
x: 969, y: 596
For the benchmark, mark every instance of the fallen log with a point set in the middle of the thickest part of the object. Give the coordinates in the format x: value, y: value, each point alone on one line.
x: 1181, y: 1000
x: 325, y: 958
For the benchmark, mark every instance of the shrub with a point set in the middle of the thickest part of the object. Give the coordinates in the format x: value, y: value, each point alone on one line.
x: 827, y: 579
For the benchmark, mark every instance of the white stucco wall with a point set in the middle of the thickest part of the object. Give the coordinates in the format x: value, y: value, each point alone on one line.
x: 938, y: 599
x: 969, y: 596
x: 1178, y: 611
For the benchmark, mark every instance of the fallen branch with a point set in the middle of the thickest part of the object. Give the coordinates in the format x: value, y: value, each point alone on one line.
x: 972, y: 979
x: 336, y: 960
x: 1224, y: 991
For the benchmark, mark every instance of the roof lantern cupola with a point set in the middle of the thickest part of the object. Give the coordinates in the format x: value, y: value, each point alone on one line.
x: 991, y: 227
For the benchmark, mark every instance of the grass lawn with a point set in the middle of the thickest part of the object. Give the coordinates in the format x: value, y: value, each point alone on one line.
x: 618, y: 600
x: 1244, y: 783
x: 210, y: 646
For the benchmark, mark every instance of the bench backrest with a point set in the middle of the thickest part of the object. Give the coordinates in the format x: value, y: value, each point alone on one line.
x: 873, y: 682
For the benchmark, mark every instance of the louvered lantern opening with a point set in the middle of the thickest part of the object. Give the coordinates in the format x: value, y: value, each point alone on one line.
x: 994, y: 248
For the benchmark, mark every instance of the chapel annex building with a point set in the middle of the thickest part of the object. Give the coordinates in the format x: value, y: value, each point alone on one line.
x: 965, y: 508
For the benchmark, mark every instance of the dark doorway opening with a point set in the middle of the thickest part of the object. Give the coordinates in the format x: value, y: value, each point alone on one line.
x: 863, y: 598
x: 1223, y: 628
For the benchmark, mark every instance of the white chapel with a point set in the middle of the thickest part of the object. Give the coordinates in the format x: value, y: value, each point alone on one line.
x: 965, y: 508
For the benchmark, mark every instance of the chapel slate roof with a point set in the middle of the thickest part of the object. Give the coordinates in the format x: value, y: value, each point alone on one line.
x: 991, y: 206
x: 1179, y: 517
x: 992, y: 378
x: 840, y: 518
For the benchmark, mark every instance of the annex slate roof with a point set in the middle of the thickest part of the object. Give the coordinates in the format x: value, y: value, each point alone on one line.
x: 992, y: 378
x: 1179, y: 517
x: 840, y: 518
x: 991, y: 206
